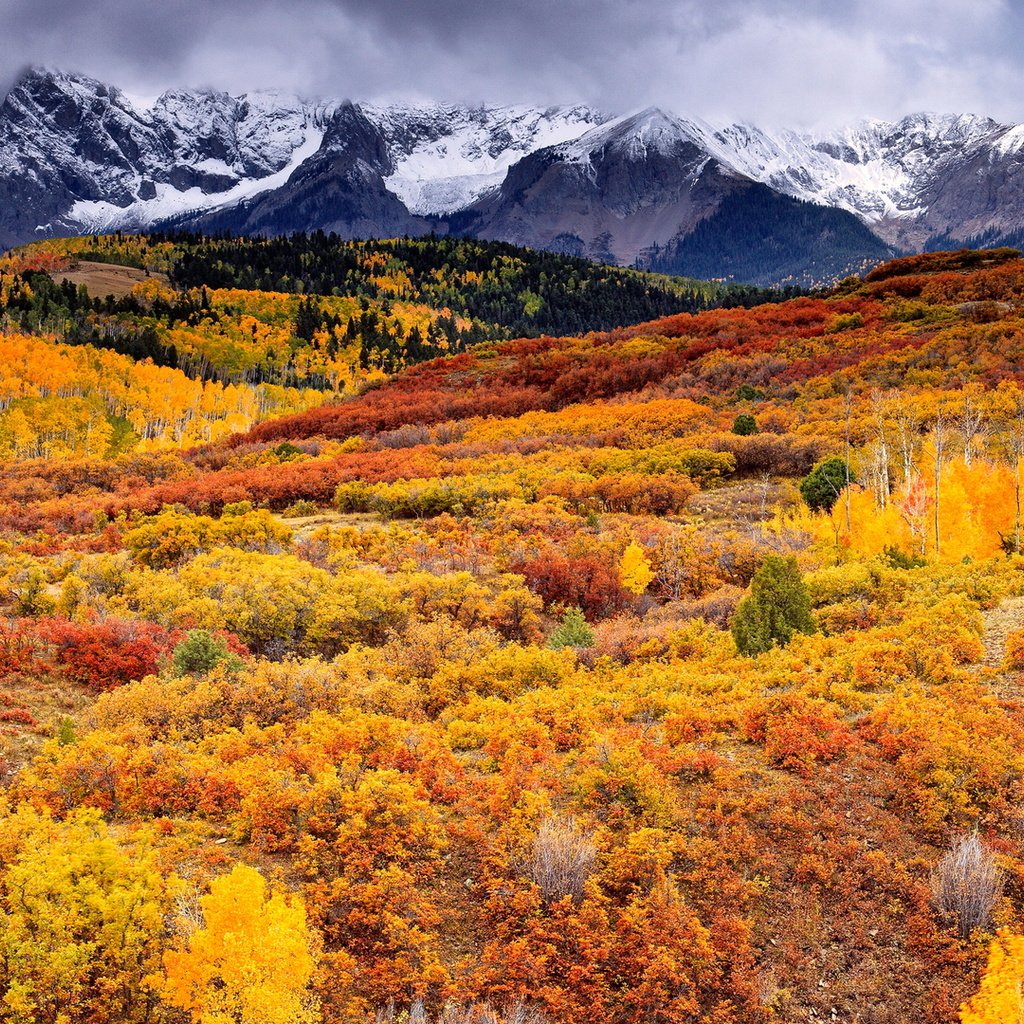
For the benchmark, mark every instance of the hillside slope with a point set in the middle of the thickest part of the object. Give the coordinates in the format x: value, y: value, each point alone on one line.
x: 259, y: 328
x: 667, y: 673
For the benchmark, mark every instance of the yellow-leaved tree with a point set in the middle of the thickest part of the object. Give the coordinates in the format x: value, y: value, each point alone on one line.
x: 999, y: 1000
x: 81, y: 920
x: 252, y: 960
x: 634, y: 569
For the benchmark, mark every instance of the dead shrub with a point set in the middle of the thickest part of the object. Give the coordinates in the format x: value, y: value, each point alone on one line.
x: 481, y: 1013
x: 518, y: 1012
x: 966, y: 884
x: 562, y: 859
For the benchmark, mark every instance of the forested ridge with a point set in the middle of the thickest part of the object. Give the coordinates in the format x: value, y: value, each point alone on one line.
x: 669, y: 673
x: 517, y: 292
x: 262, y: 327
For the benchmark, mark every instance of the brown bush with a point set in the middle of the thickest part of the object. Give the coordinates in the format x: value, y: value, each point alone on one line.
x: 518, y: 1012
x: 767, y: 453
x: 966, y: 884
x: 562, y: 859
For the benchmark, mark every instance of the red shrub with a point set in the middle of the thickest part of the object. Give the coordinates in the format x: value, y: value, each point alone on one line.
x: 797, y: 733
x: 17, y: 716
x: 17, y: 650
x: 104, y: 655
x: 590, y: 582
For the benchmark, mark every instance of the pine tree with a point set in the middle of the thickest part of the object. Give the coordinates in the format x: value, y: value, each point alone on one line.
x: 777, y: 607
x: 201, y: 652
x: 573, y: 632
x: 823, y: 485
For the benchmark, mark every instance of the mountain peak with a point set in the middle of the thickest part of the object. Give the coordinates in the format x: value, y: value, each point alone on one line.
x: 39, y: 77
x: 638, y: 135
x: 68, y: 98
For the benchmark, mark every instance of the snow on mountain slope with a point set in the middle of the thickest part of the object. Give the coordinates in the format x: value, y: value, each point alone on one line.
x: 79, y: 155
x: 878, y: 170
x: 92, y: 216
x: 445, y: 157
x: 636, y: 136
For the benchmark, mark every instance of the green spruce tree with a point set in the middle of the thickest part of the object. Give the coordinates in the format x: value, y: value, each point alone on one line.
x: 573, y: 632
x: 823, y: 485
x: 777, y: 607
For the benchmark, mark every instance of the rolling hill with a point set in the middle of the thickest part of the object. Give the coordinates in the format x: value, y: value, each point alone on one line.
x: 668, y: 672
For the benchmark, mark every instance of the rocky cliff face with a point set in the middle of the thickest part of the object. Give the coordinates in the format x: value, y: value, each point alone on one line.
x: 79, y: 156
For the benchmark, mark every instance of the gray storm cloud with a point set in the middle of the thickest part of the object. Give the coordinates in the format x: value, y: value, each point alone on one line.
x: 781, y: 62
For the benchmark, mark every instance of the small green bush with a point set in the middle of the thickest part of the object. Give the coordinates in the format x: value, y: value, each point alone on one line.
x: 748, y: 393
x: 745, y: 425
x: 200, y: 652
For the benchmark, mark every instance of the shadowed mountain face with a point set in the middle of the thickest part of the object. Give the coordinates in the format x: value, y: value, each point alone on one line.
x: 78, y: 156
x: 339, y: 188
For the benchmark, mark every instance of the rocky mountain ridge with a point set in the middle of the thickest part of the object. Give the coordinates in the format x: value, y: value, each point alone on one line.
x: 80, y: 156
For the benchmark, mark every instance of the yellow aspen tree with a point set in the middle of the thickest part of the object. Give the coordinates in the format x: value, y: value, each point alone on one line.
x: 634, y: 569
x: 1000, y: 999
x: 252, y: 960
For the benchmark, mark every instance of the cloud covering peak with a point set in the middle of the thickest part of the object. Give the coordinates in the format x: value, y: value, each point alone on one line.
x: 773, y: 61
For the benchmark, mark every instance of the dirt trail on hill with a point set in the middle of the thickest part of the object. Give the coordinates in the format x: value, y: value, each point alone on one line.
x: 1005, y: 618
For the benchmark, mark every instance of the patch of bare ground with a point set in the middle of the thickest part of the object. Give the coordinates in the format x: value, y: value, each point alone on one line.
x: 31, y: 710
x: 844, y: 899
x: 103, y: 279
x: 303, y: 527
x: 742, y: 502
x: 1007, y: 617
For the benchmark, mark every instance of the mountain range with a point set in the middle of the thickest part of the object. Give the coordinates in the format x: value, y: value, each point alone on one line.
x: 650, y: 188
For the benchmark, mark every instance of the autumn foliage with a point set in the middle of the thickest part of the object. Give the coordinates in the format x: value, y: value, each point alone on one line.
x: 521, y: 688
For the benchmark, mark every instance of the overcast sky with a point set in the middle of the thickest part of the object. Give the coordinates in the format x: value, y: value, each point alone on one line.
x: 799, y: 62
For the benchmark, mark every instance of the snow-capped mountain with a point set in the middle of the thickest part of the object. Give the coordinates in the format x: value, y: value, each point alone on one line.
x: 896, y: 176
x: 79, y: 156
x: 609, y: 194
x: 638, y: 189
x: 446, y: 157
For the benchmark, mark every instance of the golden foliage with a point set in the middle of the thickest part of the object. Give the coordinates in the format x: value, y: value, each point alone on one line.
x: 249, y: 962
